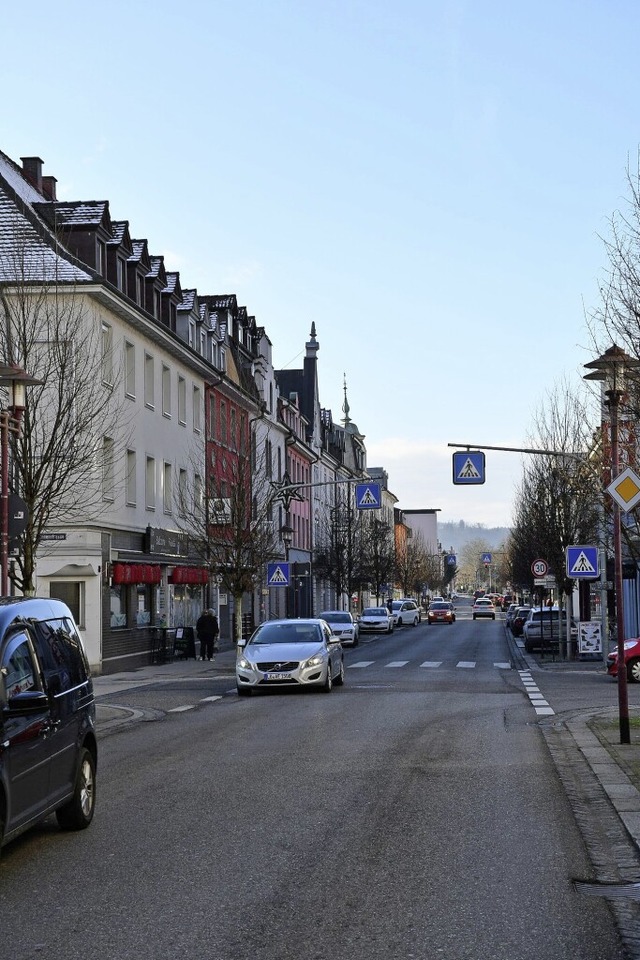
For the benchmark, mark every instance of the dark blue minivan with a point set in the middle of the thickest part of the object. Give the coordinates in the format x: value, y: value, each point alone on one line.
x: 48, y: 746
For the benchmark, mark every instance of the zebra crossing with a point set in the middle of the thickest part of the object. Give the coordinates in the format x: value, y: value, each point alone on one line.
x: 426, y: 664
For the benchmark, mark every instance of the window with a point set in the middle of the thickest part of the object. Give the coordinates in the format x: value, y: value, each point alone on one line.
x: 18, y: 669
x: 223, y: 422
x: 149, y: 373
x: 140, y: 291
x: 129, y: 369
x: 167, y: 491
x: 212, y: 416
x: 166, y: 391
x: 182, y: 493
x: 182, y: 400
x: 130, y: 479
x: 107, y: 469
x: 203, y: 343
x: 70, y: 592
x: 192, y: 333
x: 121, y: 274
x: 107, y: 354
x: 197, y: 495
x: 143, y: 605
x: 118, y: 605
x: 197, y: 410
x: 150, y: 484
x: 233, y: 435
x: 101, y: 251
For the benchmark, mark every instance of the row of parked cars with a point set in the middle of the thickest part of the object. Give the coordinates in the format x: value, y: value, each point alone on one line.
x: 539, y: 627
x: 380, y: 619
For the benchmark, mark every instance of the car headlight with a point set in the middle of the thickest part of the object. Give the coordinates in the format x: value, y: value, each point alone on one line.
x: 244, y: 663
x: 315, y: 661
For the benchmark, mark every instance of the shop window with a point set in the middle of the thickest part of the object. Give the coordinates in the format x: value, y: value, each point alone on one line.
x: 70, y: 592
x: 118, y: 603
x: 143, y: 605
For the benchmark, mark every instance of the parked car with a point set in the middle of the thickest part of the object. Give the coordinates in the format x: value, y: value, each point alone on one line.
x: 441, y: 612
x: 405, y: 612
x: 510, y: 613
x: 49, y: 752
x: 290, y: 653
x: 631, y: 659
x: 376, y: 620
x: 483, y: 607
x: 518, y: 621
x: 342, y: 625
x: 545, y: 626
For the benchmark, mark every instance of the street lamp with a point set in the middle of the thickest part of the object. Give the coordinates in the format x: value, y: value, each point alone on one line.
x: 10, y: 422
x: 611, y: 368
x: 286, y: 535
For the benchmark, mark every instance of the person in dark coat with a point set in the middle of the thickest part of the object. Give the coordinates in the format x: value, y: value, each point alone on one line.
x: 207, y: 629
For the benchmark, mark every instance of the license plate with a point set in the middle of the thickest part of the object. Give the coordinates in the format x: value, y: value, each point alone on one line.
x: 277, y: 676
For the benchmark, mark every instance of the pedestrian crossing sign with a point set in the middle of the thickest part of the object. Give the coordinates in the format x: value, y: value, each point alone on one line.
x: 468, y: 466
x: 368, y: 496
x: 278, y: 574
x: 582, y: 563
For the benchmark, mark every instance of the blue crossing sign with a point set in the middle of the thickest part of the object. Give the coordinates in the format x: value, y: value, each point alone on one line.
x: 368, y: 496
x: 487, y: 559
x: 582, y: 563
x: 451, y: 559
x: 278, y: 574
x: 468, y: 467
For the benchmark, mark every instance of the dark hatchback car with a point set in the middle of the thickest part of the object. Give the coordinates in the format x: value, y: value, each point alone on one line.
x: 48, y: 748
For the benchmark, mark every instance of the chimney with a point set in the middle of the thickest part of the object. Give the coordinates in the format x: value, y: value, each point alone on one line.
x: 49, y: 188
x: 32, y: 170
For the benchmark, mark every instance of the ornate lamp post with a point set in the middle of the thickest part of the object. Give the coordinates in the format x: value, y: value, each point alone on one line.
x: 10, y: 422
x: 286, y: 535
x: 612, y: 368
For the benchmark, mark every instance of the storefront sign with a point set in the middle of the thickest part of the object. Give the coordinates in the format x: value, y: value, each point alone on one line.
x: 189, y: 575
x: 136, y: 573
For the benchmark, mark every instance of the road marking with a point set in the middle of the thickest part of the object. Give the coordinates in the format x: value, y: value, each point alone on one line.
x: 431, y: 663
x: 538, y: 702
x: 503, y: 666
x: 466, y: 664
x: 361, y: 663
x: 189, y: 706
x: 397, y: 663
x: 210, y: 699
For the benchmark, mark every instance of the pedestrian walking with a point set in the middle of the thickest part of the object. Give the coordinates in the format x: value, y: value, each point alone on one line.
x: 207, y: 629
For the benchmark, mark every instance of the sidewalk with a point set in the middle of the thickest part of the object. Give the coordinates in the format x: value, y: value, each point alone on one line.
x: 109, y: 715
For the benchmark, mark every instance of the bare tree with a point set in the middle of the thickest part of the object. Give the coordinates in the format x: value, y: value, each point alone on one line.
x: 64, y: 462
x: 340, y: 542
x: 378, y: 554
x: 412, y: 565
x: 229, y: 522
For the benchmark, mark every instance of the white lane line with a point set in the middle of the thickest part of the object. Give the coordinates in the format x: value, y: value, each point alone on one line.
x: 503, y: 666
x: 181, y: 709
x: 538, y: 702
x: 210, y: 699
x: 361, y: 663
x: 397, y: 663
x: 431, y: 663
x: 466, y: 664
x: 545, y: 711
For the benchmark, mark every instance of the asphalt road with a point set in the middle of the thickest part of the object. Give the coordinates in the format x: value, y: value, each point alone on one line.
x: 413, y: 813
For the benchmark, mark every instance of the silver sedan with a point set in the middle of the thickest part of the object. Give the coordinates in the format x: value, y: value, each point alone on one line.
x: 290, y: 653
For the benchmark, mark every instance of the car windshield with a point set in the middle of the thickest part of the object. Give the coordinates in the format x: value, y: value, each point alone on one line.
x: 484, y: 603
x: 286, y: 633
x: 396, y: 604
x: 375, y: 612
x: 336, y: 616
x: 439, y: 606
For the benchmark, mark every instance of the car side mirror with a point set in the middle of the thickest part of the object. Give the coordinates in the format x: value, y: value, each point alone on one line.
x: 29, y: 701
x: 242, y: 643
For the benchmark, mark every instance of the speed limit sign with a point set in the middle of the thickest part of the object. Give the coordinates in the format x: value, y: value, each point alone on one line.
x: 539, y: 568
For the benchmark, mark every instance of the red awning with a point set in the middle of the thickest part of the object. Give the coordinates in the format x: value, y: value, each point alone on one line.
x: 189, y: 575
x: 137, y: 573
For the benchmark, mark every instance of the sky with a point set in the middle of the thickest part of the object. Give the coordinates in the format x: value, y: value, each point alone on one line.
x: 428, y: 182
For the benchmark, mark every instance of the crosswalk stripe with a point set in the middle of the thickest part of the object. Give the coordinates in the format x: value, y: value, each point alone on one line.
x: 397, y: 663
x: 503, y: 666
x: 361, y: 663
x: 466, y: 664
x: 431, y: 663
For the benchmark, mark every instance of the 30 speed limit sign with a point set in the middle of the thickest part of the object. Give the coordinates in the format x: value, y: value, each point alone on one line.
x: 539, y: 568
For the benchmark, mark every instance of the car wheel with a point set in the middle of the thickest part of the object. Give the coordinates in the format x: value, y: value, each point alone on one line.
x: 356, y: 640
x: 327, y: 686
x: 339, y: 681
x: 399, y: 621
x: 390, y: 628
x: 415, y: 621
x: 493, y: 617
x: 77, y: 814
x: 633, y: 671
x: 474, y: 616
x: 243, y: 691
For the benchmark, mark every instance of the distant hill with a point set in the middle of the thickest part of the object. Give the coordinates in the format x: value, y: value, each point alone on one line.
x: 458, y: 534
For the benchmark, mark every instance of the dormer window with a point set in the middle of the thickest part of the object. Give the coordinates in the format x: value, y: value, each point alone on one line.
x: 101, y: 257
x: 121, y: 274
x: 192, y: 334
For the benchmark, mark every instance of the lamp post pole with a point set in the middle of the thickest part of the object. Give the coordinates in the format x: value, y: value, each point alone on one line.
x: 286, y: 534
x: 612, y: 368
x: 613, y: 401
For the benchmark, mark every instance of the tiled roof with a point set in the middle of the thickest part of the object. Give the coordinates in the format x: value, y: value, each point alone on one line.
x: 81, y: 213
x: 157, y: 266
x: 118, y: 230
x: 188, y: 301
x: 26, y: 254
x: 223, y: 302
x: 138, y: 247
x: 173, y: 282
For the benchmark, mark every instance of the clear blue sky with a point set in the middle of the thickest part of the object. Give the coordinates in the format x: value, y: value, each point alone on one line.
x: 424, y: 180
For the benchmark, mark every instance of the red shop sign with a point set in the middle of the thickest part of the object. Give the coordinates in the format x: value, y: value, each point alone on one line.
x: 136, y: 573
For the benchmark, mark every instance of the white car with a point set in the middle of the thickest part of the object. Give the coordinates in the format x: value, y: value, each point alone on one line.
x: 376, y: 620
x: 290, y: 653
x: 483, y: 607
x: 342, y: 625
x: 405, y: 612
